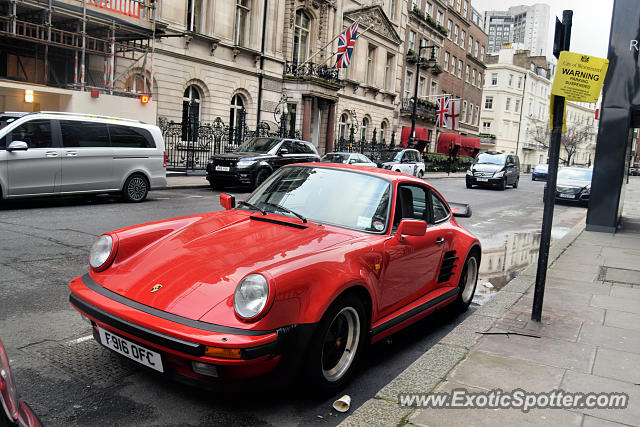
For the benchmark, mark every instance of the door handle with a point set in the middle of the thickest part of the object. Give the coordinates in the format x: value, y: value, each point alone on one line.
x: 51, y: 154
x: 71, y: 153
x: 439, y: 240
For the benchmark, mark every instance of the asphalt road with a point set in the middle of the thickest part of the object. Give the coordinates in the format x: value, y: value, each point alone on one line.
x: 70, y: 380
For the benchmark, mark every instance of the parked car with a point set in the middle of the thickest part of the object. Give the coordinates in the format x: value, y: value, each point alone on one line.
x: 256, y: 159
x: 321, y: 259
x: 573, y: 184
x: 540, y: 172
x: 406, y: 161
x: 13, y: 412
x: 349, y: 159
x: 79, y: 154
x: 634, y: 171
x: 494, y: 169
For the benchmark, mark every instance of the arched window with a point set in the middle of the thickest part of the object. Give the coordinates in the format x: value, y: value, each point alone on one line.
x: 342, y: 126
x: 301, y: 37
x: 235, y: 116
x: 136, y: 84
x: 383, y: 132
x: 191, y: 104
x: 364, y: 128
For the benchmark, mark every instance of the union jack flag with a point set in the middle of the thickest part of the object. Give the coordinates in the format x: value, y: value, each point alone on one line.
x: 346, y: 42
x: 442, y: 111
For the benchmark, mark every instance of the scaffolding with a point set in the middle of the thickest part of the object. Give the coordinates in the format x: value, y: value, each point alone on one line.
x: 72, y: 31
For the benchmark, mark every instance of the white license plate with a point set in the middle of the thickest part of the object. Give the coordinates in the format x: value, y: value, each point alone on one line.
x: 223, y: 168
x: 483, y: 179
x: 567, y: 196
x: 133, y: 351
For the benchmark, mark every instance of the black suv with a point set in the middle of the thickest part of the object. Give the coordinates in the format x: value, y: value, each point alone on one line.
x: 494, y: 169
x: 256, y: 159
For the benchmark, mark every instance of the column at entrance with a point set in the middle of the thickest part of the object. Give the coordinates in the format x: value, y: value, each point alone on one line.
x: 306, y: 117
x: 331, y: 127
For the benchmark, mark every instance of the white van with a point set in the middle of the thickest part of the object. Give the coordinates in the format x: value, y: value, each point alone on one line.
x: 53, y: 153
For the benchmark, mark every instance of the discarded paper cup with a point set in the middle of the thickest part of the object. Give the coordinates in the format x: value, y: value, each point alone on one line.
x: 342, y: 404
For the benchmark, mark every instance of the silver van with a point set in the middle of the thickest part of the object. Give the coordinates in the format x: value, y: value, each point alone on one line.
x: 52, y: 153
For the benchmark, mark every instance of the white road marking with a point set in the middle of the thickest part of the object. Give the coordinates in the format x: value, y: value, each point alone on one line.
x: 79, y: 340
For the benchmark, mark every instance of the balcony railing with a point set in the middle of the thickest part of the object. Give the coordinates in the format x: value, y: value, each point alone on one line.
x: 532, y: 147
x: 311, y: 71
x: 424, y: 109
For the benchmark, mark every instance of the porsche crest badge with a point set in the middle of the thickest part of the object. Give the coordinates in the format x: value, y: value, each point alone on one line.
x: 156, y: 288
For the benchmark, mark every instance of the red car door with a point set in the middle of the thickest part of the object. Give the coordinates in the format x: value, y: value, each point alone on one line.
x: 411, y: 265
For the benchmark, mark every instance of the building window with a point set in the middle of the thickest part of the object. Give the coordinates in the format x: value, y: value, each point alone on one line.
x: 463, y: 37
x: 470, y: 44
x: 449, y: 28
x: 243, y: 12
x: 388, y: 68
x: 456, y: 30
x: 428, y: 8
x: 446, y: 61
x: 494, y: 79
x: 507, y: 105
x: 473, y: 77
x: 301, y: 37
x: 470, y: 117
x: 136, y: 84
x: 439, y: 17
x: 459, y: 68
x: 480, y: 79
x: 488, y: 103
x: 519, y: 82
x: 412, y: 40
x: 486, y: 127
x: 467, y: 74
x: 383, y: 132
x: 463, y: 114
x: 434, y: 88
x: 517, y: 106
x: 235, y: 115
x: 371, y: 53
x: 482, y: 54
x: 364, y: 128
x: 191, y: 105
x: 422, y: 86
x: 510, y: 80
x: 475, y: 49
x: 342, y: 126
x: 195, y: 15
x: 454, y: 60
x: 392, y: 10
x: 407, y: 85
x: 465, y: 8
x: 458, y: 5
x: 477, y: 115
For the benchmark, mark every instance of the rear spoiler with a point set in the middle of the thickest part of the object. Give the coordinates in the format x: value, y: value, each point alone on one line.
x: 462, y: 210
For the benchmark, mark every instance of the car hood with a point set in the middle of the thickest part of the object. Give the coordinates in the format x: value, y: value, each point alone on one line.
x: 574, y: 183
x: 486, y: 167
x: 236, y: 155
x: 200, y: 264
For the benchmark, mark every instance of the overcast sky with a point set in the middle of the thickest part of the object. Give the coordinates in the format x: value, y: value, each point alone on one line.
x: 591, y: 21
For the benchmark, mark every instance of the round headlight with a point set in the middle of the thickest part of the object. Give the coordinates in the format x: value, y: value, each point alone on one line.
x: 100, y: 251
x: 251, y: 296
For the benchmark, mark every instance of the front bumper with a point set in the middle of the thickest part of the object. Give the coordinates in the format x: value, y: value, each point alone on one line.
x: 265, y: 355
x: 565, y: 197
x: 235, y: 176
x: 477, y: 180
x: 538, y: 176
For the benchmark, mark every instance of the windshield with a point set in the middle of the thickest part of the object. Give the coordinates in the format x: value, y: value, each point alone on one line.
x: 5, y: 120
x: 389, y: 156
x: 329, y: 196
x: 258, y: 145
x: 575, y: 174
x: 335, y: 158
x: 492, y: 159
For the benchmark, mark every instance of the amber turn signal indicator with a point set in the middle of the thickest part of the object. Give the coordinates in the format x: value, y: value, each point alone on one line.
x: 225, y: 353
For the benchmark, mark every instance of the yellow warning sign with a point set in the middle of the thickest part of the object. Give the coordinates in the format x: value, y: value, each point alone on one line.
x: 579, y: 77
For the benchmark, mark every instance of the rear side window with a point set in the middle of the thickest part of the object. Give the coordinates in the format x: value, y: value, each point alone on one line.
x: 130, y: 137
x: 440, y: 211
x: 36, y: 133
x: 304, y: 148
x: 84, y: 134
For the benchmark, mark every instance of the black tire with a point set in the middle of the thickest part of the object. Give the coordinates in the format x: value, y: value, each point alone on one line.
x: 420, y: 174
x: 260, y: 177
x: 136, y: 188
x: 215, y: 186
x: 533, y: 178
x: 469, y: 185
x: 332, y: 359
x: 515, y: 183
x: 468, y: 282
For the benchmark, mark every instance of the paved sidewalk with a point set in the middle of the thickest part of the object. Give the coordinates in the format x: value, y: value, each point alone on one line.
x: 182, y: 180
x: 588, y: 340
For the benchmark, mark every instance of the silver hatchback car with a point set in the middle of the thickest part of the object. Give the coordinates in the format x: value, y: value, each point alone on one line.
x: 51, y: 153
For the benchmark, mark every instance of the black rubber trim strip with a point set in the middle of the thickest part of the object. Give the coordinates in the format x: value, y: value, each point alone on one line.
x: 96, y: 287
x: 183, y: 346
x: 414, y: 311
x: 255, y: 352
x: 276, y: 221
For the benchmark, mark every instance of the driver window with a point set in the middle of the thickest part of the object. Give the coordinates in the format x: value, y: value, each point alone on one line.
x: 36, y: 133
x: 410, y: 204
x: 288, y: 145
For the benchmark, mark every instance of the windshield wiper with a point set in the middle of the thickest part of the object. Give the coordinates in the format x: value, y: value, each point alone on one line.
x: 304, y: 220
x: 252, y: 206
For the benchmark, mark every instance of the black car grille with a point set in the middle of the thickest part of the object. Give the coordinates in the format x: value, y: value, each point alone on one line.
x: 483, y: 174
x: 225, y: 162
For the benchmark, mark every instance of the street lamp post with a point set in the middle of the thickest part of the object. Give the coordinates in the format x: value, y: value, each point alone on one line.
x: 430, y: 63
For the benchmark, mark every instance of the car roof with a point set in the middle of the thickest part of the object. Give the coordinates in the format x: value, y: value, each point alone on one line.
x: 380, y: 173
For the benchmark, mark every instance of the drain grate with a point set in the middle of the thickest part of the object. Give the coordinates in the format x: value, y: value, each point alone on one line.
x: 85, y: 360
x: 619, y: 275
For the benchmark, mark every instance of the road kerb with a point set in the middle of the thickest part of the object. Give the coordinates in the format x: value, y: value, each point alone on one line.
x: 380, y: 411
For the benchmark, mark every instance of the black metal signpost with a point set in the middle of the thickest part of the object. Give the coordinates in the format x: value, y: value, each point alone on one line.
x: 561, y: 42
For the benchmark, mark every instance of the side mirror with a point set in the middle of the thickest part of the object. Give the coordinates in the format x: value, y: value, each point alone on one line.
x: 462, y: 210
x: 227, y: 201
x: 18, y: 146
x: 283, y: 151
x: 411, y: 227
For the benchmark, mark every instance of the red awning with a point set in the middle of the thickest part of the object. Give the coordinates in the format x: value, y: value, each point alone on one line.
x: 422, y: 137
x: 464, y: 146
x: 470, y: 142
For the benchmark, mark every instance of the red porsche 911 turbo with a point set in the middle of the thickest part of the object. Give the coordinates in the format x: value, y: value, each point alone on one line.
x: 319, y: 261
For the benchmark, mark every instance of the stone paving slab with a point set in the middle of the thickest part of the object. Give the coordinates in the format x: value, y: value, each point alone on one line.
x: 621, y: 319
x: 618, y: 365
x: 630, y: 293
x: 377, y: 413
x: 466, y: 333
x: 564, y: 309
x: 551, y: 327
x: 613, y: 303
x: 613, y: 338
x: 558, y: 353
x: 447, y: 417
x: 499, y: 304
x: 587, y: 276
x: 487, y: 371
x: 589, y: 288
x: 580, y: 383
x: 590, y: 421
x: 577, y: 297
